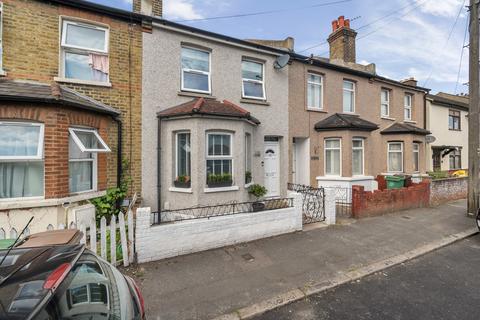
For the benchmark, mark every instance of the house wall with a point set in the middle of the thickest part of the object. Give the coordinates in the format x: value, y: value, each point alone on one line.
x: 437, y: 123
x: 31, y: 33
x: 367, y: 106
x: 162, y: 56
x: 445, y: 190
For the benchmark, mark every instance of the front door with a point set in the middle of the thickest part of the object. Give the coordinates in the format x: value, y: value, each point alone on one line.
x: 271, y: 160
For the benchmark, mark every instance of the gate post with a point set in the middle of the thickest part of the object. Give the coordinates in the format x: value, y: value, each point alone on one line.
x: 330, y: 206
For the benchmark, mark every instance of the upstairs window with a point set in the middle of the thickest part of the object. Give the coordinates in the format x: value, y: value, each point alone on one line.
x: 84, y: 51
x: 253, y: 85
x: 21, y: 160
x: 195, y: 70
x: 453, y: 120
x: 348, y: 96
x: 407, y: 103
x: 84, y: 144
x: 314, y: 91
x: 385, y: 103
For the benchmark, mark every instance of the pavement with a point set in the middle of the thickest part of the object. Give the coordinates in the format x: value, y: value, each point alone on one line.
x: 443, y: 284
x: 245, y: 280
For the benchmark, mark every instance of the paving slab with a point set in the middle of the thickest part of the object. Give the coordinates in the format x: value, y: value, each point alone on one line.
x: 228, y: 282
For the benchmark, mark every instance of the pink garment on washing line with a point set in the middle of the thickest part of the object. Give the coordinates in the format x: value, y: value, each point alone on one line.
x: 99, y: 62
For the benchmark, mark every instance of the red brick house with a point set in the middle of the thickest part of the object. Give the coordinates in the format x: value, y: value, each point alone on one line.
x: 70, y: 90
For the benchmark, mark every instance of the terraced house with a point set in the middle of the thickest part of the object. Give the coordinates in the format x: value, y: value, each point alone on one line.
x: 70, y: 103
x: 347, y: 123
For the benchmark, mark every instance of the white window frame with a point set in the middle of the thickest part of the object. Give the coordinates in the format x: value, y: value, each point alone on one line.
x: 394, y: 151
x: 176, y: 153
x: 325, y: 156
x: 79, y: 143
x: 407, y: 106
x: 68, y: 48
x: 362, y: 148
x: 39, y: 155
x: 209, y: 73
x: 254, y: 81
x: 385, y: 103
x: 217, y: 157
x: 416, y: 154
x: 353, y: 95
x: 316, y: 84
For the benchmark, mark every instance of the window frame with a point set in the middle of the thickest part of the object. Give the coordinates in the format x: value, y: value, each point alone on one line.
x: 455, y: 114
x: 80, y: 144
x: 208, y: 74
x: 387, y: 104
x: 219, y: 157
x: 264, y: 97
x: 395, y: 151
x: 408, y: 107
x: 189, y: 166
x: 455, y: 156
x: 362, y: 148
x: 325, y: 156
x: 320, y: 85
x: 248, y: 154
x: 84, y: 24
x: 39, y: 155
x: 416, y: 154
x: 352, y: 91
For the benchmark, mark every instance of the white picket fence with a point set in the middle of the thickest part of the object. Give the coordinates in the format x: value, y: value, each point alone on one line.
x: 97, y: 240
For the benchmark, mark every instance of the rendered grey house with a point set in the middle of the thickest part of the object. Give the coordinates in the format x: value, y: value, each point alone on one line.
x: 216, y: 124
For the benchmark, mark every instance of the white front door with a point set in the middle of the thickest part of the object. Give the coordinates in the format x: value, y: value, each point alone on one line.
x: 271, y: 160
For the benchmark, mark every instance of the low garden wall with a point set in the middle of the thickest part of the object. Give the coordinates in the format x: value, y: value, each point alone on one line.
x: 155, y: 242
x: 448, y: 189
x: 380, y: 202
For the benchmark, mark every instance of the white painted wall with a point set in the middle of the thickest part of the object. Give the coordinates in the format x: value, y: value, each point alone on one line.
x: 183, y: 237
x: 302, y: 161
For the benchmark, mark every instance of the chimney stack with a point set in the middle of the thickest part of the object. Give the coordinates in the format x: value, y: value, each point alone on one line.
x: 148, y: 7
x: 410, y: 82
x: 342, y: 41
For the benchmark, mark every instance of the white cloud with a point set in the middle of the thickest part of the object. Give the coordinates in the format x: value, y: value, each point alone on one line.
x: 180, y: 10
x: 444, y: 8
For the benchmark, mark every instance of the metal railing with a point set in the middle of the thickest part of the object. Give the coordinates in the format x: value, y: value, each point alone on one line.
x: 219, y: 210
x: 313, y: 200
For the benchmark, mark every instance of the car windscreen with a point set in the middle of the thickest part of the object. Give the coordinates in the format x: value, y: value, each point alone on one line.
x: 92, y: 290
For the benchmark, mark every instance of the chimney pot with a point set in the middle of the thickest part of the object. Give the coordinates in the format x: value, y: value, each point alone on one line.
x: 341, y: 21
x: 334, y: 25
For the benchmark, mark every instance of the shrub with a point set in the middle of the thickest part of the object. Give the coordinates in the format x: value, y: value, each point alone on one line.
x: 258, y: 191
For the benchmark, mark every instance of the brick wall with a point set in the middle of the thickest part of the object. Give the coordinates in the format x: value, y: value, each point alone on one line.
x: 57, y: 121
x: 31, y: 49
x: 380, y: 202
x: 445, y: 190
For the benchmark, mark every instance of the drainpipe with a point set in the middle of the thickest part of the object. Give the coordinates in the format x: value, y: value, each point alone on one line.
x: 159, y: 175
x: 119, y: 150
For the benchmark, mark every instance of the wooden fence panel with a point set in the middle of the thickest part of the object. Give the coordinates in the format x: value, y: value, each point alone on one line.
x: 103, y: 237
x: 123, y: 239
x: 113, y: 240
x: 130, y: 236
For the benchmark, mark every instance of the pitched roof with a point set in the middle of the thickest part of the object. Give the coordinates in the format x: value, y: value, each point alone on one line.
x: 212, y: 107
x: 450, y: 100
x: 339, y: 121
x: 23, y: 91
x: 398, y: 128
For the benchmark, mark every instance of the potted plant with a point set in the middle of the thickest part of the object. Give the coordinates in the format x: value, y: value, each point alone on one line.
x: 258, y: 191
x: 219, y: 180
x: 248, y: 177
x: 182, y: 182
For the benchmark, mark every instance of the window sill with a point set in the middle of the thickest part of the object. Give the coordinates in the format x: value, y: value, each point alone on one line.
x: 180, y: 190
x: 388, y: 118
x: 410, y: 121
x: 222, y: 189
x: 255, y: 101
x: 38, y: 202
x: 87, y: 82
x: 458, y: 130
x: 316, y: 110
x: 195, y: 94
x: 249, y: 184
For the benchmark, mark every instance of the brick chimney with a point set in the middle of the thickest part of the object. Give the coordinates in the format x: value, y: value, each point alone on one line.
x: 148, y: 7
x: 410, y: 82
x: 342, y: 41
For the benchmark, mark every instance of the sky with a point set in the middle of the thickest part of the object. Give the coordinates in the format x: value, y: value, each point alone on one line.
x: 404, y: 38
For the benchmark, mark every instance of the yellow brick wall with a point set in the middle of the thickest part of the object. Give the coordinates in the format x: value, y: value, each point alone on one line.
x: 31, y: 47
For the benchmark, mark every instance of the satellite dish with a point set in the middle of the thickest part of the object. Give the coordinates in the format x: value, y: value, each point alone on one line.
x: 281, y: 61
x: 430, y: 139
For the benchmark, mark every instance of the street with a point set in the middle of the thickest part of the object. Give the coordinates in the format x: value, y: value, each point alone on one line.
x: 444, y: 284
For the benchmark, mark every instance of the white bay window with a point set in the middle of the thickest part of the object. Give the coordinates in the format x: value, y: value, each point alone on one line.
x: 84, y: 51
x: 333, y: 157
x: 21, y: 160
x: 84, y: 144
x: 219, y: 157
x: 395, y: 157
x: 357, y: 157
x: 182, y: 162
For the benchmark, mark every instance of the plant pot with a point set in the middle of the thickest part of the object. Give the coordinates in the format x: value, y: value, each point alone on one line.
x: 248, y: 180
x: 179, y: 184
x: 258, y: 206
x: 220, y: 184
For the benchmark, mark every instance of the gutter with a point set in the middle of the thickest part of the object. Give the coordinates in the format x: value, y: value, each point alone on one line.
x: 159, y: 167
